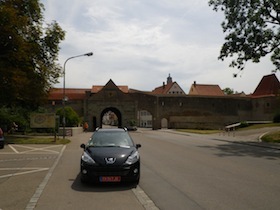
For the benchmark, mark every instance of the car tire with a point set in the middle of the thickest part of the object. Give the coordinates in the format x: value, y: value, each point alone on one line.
x: 83, y: 179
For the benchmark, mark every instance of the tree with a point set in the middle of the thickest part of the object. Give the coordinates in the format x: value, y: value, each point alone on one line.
x: 18, y: 115
x: 228, y: 91
x: 28, y: 53
x: 71, y: 117
x: 252, y: 30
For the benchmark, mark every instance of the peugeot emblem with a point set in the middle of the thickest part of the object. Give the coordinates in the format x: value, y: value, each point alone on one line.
x: 110, y: 160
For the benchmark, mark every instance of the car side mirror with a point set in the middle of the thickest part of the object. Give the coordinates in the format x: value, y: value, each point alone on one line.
x: 138, y: 146
x: 83, y: 146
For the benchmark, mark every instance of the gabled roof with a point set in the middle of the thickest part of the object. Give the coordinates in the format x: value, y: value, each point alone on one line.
x: 169, y: 88
x: 205, y: 90
x: 162, y: 89
x: 71, y: 93
x: 269, y: 85
x: 109, y: 86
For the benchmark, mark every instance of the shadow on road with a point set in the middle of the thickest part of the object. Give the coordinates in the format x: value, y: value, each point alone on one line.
x: 243, y: 150
x: 100, y: 187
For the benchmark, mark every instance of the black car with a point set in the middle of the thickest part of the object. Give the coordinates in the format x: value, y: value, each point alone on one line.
x: 110, y: 156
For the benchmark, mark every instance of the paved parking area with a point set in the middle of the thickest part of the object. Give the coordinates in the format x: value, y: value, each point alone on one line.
x: 22, y: 169
x: 13, y: 153
x: 31, y: 149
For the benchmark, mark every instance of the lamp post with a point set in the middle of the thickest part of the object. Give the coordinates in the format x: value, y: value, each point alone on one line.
x: 64, y: 97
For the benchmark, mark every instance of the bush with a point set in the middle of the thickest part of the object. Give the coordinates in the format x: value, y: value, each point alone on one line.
x: 71, y: 117
x: 18, y: 115
x: 243, y: 125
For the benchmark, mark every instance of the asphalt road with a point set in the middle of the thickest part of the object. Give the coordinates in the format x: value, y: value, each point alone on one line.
x: 47, y: 177
x: 199, y: 172
x: 177, y: 172
x: 65, y: 191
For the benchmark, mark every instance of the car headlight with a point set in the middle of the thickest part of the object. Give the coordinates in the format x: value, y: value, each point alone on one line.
x: 133, y: 158
x: 86, y: 158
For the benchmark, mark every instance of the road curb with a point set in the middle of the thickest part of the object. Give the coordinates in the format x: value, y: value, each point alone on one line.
x: 144, y: 199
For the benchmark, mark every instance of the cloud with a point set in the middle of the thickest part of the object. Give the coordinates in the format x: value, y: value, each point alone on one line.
x: 139, y: 42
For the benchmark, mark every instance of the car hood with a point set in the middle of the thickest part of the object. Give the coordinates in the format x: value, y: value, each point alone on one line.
x: 110, y: 155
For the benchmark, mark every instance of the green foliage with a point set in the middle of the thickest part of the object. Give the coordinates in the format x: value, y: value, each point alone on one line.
x: 132, y: 122
x: 18, y: 115
x: 252, y: 30
x: 243, y: 125
x: 71, y: 117
x: 273, y: 137
x: 28, y: 55
x: 228, y: 91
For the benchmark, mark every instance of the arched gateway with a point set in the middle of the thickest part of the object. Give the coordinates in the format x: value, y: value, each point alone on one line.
x: 172, y: 111
x: 114, y: 99
x: 111, y: 116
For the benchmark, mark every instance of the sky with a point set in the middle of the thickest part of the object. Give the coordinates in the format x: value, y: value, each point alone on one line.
x: 138, y: 43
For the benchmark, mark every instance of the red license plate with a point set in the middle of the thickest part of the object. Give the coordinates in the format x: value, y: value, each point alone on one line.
x: 110, y: 179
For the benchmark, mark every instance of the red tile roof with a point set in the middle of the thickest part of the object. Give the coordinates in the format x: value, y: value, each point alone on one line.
x: 269, y: 85
x: 71, y: 93
x: 96, y: 88
x: 163, y: 89
x: 169, y: 88
x: 79, y: 94
x: 206, y: 90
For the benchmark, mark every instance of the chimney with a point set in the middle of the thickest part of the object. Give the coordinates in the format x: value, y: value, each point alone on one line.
x: 163, y: 85
x: 194, y: 83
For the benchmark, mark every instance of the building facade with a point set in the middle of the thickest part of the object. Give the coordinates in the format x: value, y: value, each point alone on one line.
x: 147, y: 109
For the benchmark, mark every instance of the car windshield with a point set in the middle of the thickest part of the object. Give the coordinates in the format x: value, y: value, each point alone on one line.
x: 110, y: 139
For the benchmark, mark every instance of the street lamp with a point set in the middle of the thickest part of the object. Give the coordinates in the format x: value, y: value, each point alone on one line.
x: 64, y: 97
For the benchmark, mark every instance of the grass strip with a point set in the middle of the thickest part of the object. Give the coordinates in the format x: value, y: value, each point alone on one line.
x: 273, y: 137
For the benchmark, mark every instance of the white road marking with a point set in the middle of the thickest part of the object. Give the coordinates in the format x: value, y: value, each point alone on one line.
x: 32, y: 149
x: 29, y: 171
x: 29, y: 158
x: 38, y: 149
x: 13, y: 148
x: 33, y: 201
x: 28, y: 150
